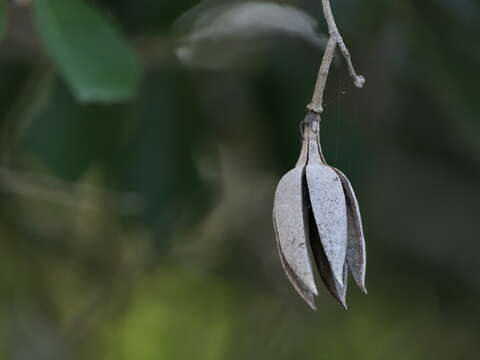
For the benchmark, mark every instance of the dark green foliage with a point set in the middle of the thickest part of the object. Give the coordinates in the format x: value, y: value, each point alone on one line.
x: 136, y: 200
x: 3, y: 18
x: 94, y: 59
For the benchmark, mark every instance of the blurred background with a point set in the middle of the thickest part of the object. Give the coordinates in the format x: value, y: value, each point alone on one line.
x: 141, y: 143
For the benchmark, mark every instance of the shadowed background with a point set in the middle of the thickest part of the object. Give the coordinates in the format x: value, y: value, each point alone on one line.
x: 141, y: 143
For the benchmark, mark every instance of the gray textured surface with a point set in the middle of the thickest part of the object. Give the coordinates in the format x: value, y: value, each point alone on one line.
x: 328, y: 204
x: 297, y: 283
x: 338, y: 291
x: 289, y: 216
x: 356, y: 249
x: 315, y: 208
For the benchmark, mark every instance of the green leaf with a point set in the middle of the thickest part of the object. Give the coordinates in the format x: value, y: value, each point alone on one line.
x: 3, y: 18
x: 94, y: 59
x: 159, y: 159
x: 69, y: 137
x: 170, y: 308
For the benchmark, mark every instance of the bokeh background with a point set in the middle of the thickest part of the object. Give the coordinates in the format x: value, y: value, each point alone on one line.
x: 139, y: 162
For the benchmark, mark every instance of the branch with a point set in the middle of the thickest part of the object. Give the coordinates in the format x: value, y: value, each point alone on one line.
x: 335, y: 40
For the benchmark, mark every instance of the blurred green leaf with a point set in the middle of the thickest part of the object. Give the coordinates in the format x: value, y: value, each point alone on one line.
x: 84, y: 134
x: 159, y: 162
x: 95, y: 60
x: 138, y: 146
x: 174, y: 314
x: 3, y: 18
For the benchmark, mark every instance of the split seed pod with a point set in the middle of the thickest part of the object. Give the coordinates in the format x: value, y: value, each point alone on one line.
x: 316, y: 215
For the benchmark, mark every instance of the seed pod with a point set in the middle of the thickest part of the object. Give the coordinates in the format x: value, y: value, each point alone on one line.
x: 328, y: 203
x: 289, y: 217
x: 356, y: 252
x: 315, y: 211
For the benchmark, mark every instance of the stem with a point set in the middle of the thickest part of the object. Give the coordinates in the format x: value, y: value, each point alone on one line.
x: 317, y: 99
x: 335, y: 39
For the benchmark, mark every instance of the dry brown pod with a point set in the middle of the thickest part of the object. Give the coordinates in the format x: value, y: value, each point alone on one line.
x: 316, y: 216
